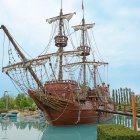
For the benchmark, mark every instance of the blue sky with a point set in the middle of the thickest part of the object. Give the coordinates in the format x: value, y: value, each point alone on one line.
x: 117, y: 33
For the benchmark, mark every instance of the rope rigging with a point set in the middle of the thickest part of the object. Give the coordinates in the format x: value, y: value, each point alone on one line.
x: 91, y: 73
x: 53, y: 31
x: 50, y: 64
x: 98, y: 54
x: 69, y: 34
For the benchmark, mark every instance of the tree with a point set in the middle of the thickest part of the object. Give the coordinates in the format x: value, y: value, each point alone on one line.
x: 113, y: 95
x: 24, y: 102
x: 121, y: 95
x: 116, y: 96
x: 127, y: 95
x: 2, y: 105
x: 21, y: 101
x: 11, y: 102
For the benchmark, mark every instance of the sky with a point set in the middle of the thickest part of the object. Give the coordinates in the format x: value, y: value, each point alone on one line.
x: 117, y: 33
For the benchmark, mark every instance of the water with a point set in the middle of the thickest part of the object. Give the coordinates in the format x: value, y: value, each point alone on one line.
x: 36, y: 129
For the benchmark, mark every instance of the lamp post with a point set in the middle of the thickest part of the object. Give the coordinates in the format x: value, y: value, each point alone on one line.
x: 7, y: 100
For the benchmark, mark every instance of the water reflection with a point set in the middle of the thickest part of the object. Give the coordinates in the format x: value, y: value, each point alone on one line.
x: 81, y: 132
x: 23, y: 123
x: 123, y: 120
x: 21, y: 128
x: 126, y: 121
x: 37, y: 129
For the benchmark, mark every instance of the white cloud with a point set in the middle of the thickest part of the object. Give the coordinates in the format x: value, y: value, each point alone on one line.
x: 127, y: 12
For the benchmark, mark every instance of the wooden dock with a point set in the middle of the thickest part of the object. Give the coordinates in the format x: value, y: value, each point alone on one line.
x: 118, y: 112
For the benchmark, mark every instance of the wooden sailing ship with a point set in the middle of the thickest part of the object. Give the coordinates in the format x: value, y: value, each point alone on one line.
x: 66, y: 85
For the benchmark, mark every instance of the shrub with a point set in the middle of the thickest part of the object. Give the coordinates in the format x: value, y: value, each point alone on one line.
x: 115, y: 132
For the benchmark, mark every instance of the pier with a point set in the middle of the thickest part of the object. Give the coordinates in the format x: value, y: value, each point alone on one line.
x: 118, y: 112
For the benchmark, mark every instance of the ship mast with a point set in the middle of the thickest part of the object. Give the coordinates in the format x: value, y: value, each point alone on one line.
x: 61, y: 41
x: 60, y: 50
x: 23, y: 58
x: 85, y: 48
x: 83, y: 44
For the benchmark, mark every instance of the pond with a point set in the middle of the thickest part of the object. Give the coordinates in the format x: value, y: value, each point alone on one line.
x: 38, y: 129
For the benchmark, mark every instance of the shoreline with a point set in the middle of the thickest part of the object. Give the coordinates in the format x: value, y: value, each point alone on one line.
x: 22, y: 114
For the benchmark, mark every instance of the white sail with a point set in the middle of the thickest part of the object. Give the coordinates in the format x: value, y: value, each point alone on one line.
x: 38, y: 61
x: 66, y: 16
x: 83, y: 27
x: 87, y: 62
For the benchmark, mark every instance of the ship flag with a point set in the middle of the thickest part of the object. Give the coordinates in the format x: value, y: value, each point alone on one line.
x: 82, y: 5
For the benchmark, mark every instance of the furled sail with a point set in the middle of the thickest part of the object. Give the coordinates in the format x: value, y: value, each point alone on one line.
x: 87, y: 62
x: 66, y: 16
x: 38, y: 61
x: 83, y: 27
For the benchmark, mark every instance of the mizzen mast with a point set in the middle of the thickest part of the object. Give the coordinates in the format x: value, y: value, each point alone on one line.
x: 84, y: 47
x: 83, y: 44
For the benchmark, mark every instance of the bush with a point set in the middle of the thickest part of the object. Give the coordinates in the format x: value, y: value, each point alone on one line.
x: 116, y: 132
x: 32, y: 108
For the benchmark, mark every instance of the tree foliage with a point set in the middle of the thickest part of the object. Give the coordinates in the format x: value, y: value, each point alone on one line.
x: 21, y: 102
x: 121, y: 95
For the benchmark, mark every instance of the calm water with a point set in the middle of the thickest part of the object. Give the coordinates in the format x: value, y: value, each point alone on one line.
x: 37, y: 129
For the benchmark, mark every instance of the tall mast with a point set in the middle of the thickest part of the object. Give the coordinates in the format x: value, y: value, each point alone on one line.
x: 83, y: 44
x: 61, y: 41
x: 23, y: 58
x: 84, y: 56
x: 60, y: 76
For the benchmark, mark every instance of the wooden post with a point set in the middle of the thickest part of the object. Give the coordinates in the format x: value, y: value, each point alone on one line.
x: 134, y: 111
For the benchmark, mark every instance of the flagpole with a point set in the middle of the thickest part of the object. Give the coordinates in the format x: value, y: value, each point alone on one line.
x: 83, y: 8
x: 61, y: 4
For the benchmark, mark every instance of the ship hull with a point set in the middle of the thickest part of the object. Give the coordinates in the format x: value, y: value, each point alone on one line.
x: 68, y: 118
x: 71, y: 114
